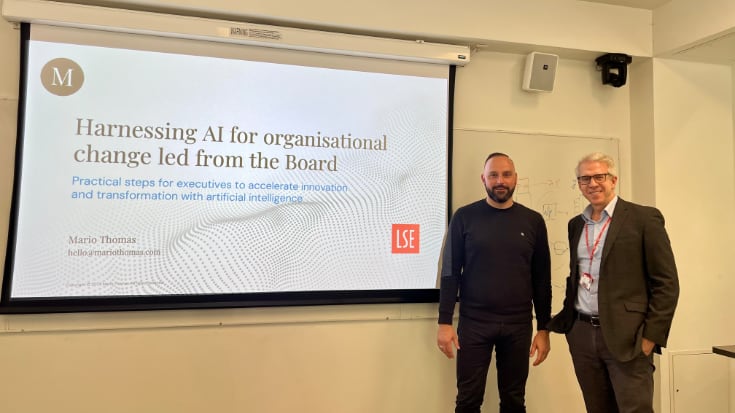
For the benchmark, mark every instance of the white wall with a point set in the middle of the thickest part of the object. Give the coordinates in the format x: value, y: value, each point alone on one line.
x: 9, y: 49
x: 382, y: 358
x: 679, y: 24
x: 695, y: 171
x: 544, y: 23
x: 693, y: 141
x: 694, y: 189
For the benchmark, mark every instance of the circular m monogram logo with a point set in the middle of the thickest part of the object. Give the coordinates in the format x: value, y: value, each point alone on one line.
x: 62, y: 77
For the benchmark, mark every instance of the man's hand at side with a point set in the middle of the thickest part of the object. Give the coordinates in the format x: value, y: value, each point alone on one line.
x: 540, y: 347
x: 446, y: 339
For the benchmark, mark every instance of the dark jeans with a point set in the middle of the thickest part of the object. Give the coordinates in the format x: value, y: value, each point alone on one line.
x: 512, y: 343
x: 608, y: 385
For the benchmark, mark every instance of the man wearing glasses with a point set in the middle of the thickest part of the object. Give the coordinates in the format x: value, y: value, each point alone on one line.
x: 620, y: 295
x: 497, y: 257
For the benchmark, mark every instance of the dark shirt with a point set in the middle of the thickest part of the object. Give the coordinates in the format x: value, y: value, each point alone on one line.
x: 499, y: 262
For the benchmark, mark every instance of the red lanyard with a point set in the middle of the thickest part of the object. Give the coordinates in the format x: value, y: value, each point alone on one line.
x: 597, y: 241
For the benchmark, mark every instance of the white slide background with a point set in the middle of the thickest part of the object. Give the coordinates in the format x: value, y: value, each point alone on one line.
x: 175, y: 240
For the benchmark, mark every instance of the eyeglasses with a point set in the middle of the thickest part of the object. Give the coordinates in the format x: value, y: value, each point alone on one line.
x: 586, y: 179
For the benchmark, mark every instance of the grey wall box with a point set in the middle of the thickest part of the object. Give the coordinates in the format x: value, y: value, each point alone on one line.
x: 540, y: 72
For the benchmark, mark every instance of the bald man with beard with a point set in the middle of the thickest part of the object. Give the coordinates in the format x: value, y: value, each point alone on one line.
x: 496, y: 259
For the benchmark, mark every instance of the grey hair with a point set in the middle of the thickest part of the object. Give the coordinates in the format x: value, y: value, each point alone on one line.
x: 598, y: 157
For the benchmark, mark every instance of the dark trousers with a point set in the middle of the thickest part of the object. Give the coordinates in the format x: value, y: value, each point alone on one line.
x: 477, y: 340
x: 608, y: 385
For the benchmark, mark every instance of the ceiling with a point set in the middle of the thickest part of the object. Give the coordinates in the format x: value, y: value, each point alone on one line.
x: 720, y: 49
x: 638, y: 4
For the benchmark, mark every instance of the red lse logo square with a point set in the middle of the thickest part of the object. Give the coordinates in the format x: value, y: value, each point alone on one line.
x: 405, y: 239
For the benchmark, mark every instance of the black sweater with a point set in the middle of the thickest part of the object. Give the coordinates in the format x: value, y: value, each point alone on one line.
x: 499, y: 262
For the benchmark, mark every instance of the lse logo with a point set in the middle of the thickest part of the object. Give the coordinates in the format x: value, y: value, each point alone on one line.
x: 405, y: 239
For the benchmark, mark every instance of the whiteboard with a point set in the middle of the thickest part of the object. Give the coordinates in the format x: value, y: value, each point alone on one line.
x: 546, y: 179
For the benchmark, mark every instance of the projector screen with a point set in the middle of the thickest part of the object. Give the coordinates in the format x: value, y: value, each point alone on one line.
x: 156, y: 172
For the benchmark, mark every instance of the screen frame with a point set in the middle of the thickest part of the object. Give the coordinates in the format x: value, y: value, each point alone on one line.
x: 9, y: 305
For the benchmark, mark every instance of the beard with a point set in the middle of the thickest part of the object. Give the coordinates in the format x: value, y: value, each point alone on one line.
x: 500, y: 197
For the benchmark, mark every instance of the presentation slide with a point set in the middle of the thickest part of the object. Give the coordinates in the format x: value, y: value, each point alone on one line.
x: 152, y: 166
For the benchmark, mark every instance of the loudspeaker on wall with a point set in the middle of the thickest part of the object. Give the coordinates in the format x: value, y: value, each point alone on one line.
x: 540, y: 72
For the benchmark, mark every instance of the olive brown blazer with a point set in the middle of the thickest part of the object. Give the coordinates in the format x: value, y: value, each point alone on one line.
x: 639, y: 285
